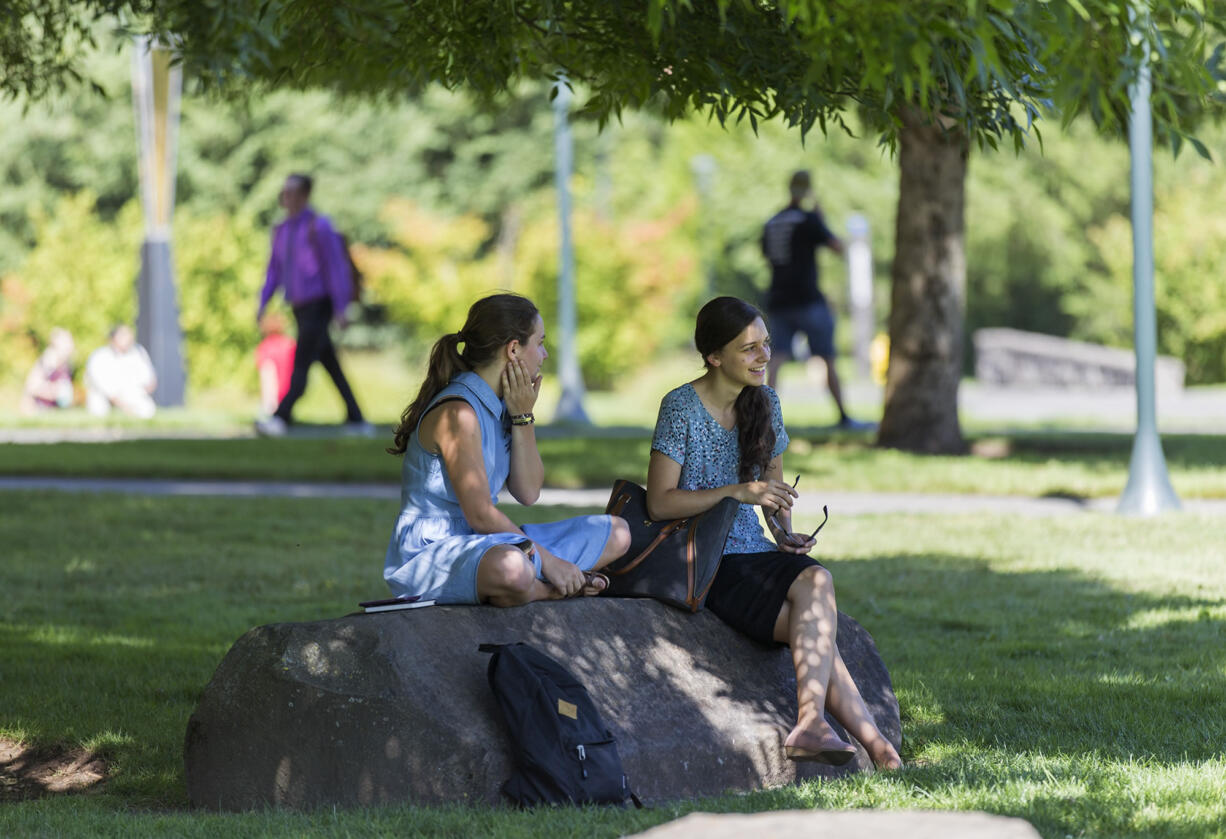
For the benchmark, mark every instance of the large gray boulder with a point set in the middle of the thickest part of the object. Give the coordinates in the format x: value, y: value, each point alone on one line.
x: 395, y: 707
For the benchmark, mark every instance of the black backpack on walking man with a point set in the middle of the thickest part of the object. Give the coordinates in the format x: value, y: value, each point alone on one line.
x: 563, y: 751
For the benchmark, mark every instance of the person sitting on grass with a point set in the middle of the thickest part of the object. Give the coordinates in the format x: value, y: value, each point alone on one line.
x: 468, y: 433
x: 722, y: 436
x: 49, y: 382
x: 119, y: 374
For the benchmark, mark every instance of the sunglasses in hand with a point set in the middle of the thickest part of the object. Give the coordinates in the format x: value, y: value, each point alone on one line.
x: 792, y: 538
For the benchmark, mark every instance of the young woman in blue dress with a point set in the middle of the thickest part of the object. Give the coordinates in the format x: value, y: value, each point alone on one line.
x: 722, y: 435
x: 469, y: 433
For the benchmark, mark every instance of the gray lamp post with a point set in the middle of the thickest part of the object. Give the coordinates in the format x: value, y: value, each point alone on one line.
x: 570, y: 404
x: 1149, y: 488
x: 704, y: 168
x: 156, y: 85
x: 860, y: 285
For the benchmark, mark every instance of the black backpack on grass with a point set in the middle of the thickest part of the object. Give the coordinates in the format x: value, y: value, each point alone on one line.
x: 563, y: 751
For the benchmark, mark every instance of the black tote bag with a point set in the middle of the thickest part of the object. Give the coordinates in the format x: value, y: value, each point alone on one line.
x: 673, y: 561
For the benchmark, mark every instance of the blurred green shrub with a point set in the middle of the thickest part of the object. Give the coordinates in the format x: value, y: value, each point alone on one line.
x: 81, y: 275
x: 627, y: 279
x: 220, y: 261
x: 1189, y: 282
x: 633, y: 282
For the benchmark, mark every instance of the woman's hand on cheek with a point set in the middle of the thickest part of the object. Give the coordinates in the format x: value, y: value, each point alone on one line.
x: 519, y: 390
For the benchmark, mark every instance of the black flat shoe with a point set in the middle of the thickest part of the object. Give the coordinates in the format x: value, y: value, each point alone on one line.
x: 831, y: 749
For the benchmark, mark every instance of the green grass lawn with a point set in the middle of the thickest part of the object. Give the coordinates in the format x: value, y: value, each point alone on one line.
x: 1025, y: 463
x: 1071, y: 671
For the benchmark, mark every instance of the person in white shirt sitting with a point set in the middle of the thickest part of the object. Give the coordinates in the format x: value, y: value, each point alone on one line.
x: 120, y: 375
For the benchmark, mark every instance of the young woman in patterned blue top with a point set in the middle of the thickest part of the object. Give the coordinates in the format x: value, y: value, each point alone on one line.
x: 720, y: 436
x: 468, y: 434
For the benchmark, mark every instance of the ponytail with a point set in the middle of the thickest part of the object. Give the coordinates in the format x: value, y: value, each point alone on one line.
x: 446, y: 361
x: 755, y: 435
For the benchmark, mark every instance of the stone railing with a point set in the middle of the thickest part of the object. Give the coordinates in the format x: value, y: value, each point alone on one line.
x: 1013, y: 358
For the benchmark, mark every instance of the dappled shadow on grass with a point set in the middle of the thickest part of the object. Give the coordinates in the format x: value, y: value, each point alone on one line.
x: 1052, y: 695
x: 27, y: 772
x: 1105, y: 450
x: 1053, y: 662
x: 117, y: 608
x: 190, y: 575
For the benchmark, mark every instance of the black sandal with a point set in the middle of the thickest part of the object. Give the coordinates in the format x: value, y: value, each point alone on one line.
x: 590, y: 579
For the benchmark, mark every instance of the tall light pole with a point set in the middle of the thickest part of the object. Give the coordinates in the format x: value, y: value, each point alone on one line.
x: 1149, y: 489
x: 156, y: 85
x: 704, y: 168
x: 570, y: 404
x: 860, y: 285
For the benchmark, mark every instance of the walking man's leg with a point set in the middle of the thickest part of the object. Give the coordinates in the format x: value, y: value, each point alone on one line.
x: 312, y: 321
x: 836, y: 391
x: 819, y: 328
x: 781, y: 331
x: 327, y: 357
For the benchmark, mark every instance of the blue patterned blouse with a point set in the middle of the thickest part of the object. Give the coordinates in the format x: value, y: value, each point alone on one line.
x: 709, y: 456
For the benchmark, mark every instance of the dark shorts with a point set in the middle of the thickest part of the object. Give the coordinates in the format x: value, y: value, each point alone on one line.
x: 813, y: 320
x: 749, y: 590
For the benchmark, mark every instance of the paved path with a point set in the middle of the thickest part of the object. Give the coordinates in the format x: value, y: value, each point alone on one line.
x: 847, y: 503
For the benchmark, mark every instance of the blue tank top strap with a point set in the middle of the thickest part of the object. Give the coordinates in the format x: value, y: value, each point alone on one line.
x: 455, y: 389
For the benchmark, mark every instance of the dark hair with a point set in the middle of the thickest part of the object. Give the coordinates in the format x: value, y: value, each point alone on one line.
x: 493, y: 322
x: 800, y: 183
x: 719, y: 322
x: 305, y: 182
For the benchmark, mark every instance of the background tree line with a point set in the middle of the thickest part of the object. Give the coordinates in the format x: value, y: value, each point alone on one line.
x: 445, y: 200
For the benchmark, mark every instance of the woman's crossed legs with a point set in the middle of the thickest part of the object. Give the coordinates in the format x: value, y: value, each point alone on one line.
x: 808, y: 623
x: 507, y: 577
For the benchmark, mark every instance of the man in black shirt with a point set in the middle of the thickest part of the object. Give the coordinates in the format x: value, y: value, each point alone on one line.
x: 794, y: 303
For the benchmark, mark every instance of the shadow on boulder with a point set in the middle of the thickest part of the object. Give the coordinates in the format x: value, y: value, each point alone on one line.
x: 394, y: 707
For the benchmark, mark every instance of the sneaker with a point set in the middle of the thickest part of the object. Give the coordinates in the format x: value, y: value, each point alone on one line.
x: 361, y: 428
x: 849, y: 424
x: 272, y: 426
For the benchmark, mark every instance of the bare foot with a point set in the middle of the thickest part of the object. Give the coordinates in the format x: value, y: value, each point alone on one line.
x: 884, y: 755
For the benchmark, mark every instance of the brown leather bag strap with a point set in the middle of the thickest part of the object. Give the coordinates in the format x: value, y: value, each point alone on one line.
x: 691, y: 559
x: 665, y: 532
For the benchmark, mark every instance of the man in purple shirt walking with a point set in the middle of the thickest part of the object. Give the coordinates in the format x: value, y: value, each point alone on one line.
x: 309, y: 263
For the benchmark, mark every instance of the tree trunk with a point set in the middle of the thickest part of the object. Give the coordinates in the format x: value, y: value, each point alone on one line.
x: 927, y: 299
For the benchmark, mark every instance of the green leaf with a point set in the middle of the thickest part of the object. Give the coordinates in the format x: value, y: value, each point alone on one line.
x: 1080, y: 8
x: 1200, y: 148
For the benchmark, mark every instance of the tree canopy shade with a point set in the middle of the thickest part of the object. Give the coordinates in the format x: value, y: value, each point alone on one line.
x: 931, y: 77
x: 42, y: 42
x: 989, y: 65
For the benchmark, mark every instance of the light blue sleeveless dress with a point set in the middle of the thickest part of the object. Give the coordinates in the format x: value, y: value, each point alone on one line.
x: 433, y: 553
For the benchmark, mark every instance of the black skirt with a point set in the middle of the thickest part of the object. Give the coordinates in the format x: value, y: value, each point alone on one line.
x: 749, y: 590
